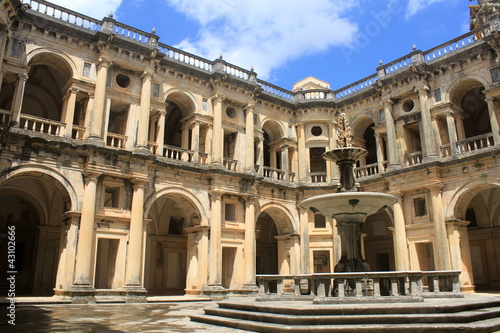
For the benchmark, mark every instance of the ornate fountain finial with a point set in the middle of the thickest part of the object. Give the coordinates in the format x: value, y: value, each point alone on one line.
x: 343, y: 131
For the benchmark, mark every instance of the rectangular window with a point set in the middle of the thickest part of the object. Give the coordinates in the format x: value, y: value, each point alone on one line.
x: 321, y: 261
x: 419, y: 207
x: 86, y: 69
x: 381, y: 115
x: 319, y: 221
x: 156, y: 90
x: 495, y: 74
x: 204, y: 104
x: 112, y: 197
x: 230, y: 212
x: 437, y: 95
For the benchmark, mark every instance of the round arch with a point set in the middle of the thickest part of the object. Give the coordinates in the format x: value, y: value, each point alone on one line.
x: 184, y: 197
x: 273, y: 128
x: 460, y: 86
x: 282, y: 216
x: 464, y: 194
x: 360, y: 123
x: 184, y: 100
x: 52, y: 58
x: 61, y: 183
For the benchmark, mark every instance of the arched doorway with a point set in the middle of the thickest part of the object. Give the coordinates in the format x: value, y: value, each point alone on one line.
x: 33, y: 205
x: 173, y: 257
x: 267, y: 245
x: 483, y: 215
x: 378, y: 242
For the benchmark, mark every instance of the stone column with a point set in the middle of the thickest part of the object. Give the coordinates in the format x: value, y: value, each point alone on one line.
x: 82, y: 284
x: 161, y: 132
x: 428, y: 143
x: 304, y: 244
x: 97, y: 115
x: 249, y: 139
x: 17, y: 102
x: 493, y: 120
x: 391, y: 136
x: 215, y: 277
x: 460, y: 128
x: 380, y: 152
x: 3, y: 41
x: 332, y: 166
x: 400, y: 243
x: 218, y: 133
x: 69, y: 112
x: 249, y: 245
x: 303, y: 158
x: 144, y: 113
x: 452, y: 132
x: 195, y: 141
x: 260, y: 157
x: 443, y: 260
x: 133, y: 283
x: 69, y: 236
x: 284, y: 161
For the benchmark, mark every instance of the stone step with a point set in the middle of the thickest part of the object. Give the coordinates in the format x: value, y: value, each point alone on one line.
x: 459, y: 317
x: 443, y: 306
x: 487, y: 326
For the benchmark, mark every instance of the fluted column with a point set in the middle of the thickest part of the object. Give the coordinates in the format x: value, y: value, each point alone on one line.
x: 304, y: 244
x: 69, y: 111
x: 400, y: 241
x: 392, y: 151
x: 428, y: 140
x: 97, y: 115
x: 17, y: 102
x: 443, y: 250
x: 493, y: 120
x: 452, y: 132
x: 215, y: 277
x: 135, y: 246
x: 249, y: 245
x: 145, y: 109
x: 84, y: 252
x: 249, y: 139
x: 217, y: 134
x: 303, y: 158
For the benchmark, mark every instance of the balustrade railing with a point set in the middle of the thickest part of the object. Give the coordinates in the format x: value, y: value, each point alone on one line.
x: 64, y: 14
x: 356, y: 86
x: 313, y: 94
x: 78, y: 132
x: 230, y: 164
x: 5, y: 117
x: 318, y: 177
x: 185, y: 57
x: 116, y: 140
x: 367, y: 170
x: 177, y: 153
x: 275, y: 90
x: 475, y: 143
x: 131, y: 33
x: 203, y: 158
x: 364, y: 284
x: 273, y: 173
x: 41, y: 125
x: 414, y: 158
x: 445, y: 150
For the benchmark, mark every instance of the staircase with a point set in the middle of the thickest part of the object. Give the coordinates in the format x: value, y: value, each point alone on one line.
x: 469, y: 314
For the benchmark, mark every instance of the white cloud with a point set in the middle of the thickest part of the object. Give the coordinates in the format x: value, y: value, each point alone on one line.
x: 415, y: 6
x: 266, y: 34
x: 97, y: 9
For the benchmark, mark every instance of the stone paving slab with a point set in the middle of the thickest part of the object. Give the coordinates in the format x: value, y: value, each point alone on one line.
x: 128, y: 317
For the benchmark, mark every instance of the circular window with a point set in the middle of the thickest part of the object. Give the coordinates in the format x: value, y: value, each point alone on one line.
x: 123, y: 80
x: 316, y: 130
x: 408, y: 105
x: 231, y: 113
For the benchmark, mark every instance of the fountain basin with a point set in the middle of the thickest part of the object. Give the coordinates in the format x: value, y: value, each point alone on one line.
x: 333, y: 204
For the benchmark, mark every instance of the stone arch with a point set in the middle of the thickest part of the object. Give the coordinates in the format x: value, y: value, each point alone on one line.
x: 464, y: 194
x: 273, y: 128
x: 460, y: 86
x: 362, y: 128
x: 185, y: 197
x: 184, y: 100
x: 48, y: 174
x: 282, y: 216
x: 52, y: 58
x: 360, y: 123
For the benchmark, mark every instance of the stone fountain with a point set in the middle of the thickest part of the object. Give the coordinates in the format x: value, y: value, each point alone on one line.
x: 348, y: 206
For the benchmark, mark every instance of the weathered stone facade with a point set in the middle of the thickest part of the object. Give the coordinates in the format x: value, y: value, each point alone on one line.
x: 129, y: 167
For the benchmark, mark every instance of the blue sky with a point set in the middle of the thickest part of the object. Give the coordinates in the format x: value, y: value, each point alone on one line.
x: 337, y: 41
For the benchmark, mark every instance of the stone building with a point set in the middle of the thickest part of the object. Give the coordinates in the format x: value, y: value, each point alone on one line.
x: 130, y: 167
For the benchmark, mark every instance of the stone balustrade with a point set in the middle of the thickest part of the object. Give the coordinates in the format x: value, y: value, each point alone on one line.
x: 426, y: 284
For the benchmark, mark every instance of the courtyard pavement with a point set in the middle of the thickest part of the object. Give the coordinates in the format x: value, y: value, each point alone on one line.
x: 52, y: 314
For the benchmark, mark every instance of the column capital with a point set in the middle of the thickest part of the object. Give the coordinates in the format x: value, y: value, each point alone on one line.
x: 91, y: 175
x: 249, y: 107
x: 218, y: 98
x: 388, y: 103
x: 449, y: 113
x: 436, y: 187
x: 424, y: 89
x: 139, y: 181
x: 147, y: 74
x: 216, y: 194
x: 22, y: 76
x: 104, y: 62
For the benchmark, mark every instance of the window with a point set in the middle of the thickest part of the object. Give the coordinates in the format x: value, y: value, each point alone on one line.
x: 316, y: 130
x: 231, y: 112
x: 175, y: 226
x: 112, y: 197
x: 156, y: 90
x: 408, y: 105
x: 381, y: 115
x: 495, y: 74
x: 319, y: 221
x: 123, y: 80
x: 419, y: 207
x: 321, y: 261
x: 230, y: 212
x: 437, y: 95
x: 86, y: 69
x: 204, y: 104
